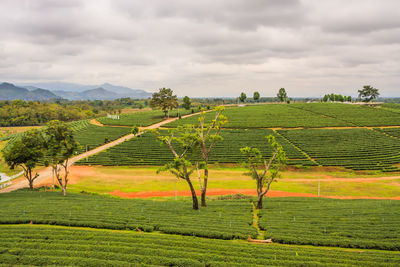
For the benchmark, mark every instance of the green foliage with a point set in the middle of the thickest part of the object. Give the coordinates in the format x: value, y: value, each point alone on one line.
x: 373, y: 224
x: 135, y: 130
x: 336, y: 98
x: 256, y: 96
x: 368, y: 93
x: 271, y: 167
x: 43, y: 245
x: 26, y: 152
x: 186, y: 103
x: 282, y: 95
x: 164, y: 100
x: 21, y: 113
x: 221, y: 219
x: 60, y: 142
x: 242, y: 97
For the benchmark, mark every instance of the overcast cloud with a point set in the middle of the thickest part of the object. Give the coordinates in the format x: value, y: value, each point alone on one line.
x: 205, y: 48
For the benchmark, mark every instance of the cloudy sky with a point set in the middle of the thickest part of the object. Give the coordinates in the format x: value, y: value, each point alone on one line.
x: 205, y: 48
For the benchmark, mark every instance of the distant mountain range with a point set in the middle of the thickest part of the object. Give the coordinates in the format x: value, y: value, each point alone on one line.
x: 9, y: 91
x: 70, y: 91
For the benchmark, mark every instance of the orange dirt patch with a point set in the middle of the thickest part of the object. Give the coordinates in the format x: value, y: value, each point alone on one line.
x: 221, y: 192
x: 96, y: 122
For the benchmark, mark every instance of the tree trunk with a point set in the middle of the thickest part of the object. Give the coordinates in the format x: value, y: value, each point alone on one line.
x: 30, y: 184
x: 194, y: 196
x: 30, y: 180
x: 64, y: 190
x: 204, y: 190
x: 260, y: 202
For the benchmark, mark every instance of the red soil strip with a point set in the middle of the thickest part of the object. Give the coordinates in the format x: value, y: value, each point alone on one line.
x: 219, y: 192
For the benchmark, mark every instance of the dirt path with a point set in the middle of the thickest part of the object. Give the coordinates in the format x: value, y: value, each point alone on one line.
x: 221, y: 192
x: 96, y: 122
x: 47, y: 172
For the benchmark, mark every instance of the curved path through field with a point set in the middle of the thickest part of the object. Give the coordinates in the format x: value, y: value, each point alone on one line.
x: 47, y: 172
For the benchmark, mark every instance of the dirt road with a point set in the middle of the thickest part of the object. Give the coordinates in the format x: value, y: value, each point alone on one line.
x: 47, y: 172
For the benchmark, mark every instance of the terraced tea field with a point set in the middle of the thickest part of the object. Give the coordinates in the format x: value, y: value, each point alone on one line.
x: 373, y: 224
x: 307, y: 115
x: 354, y: 115
x: 269, y: 116
x: 142, y: 118
x: 358, y: 149
x: 145, y: 150
x: 222, y: 219
x: 44, y: 245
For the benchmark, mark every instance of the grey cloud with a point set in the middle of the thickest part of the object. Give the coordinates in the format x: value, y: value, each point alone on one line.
x: 213, y: 47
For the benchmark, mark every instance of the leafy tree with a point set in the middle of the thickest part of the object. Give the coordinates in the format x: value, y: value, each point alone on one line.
x: 61, y: 146
x: 242, y: 97
x: 207, y: 135
x: 135, y: 130
x: 349, y: 99
x: 165, y: 100
x: 270, y: 172
x: 256, y: 96
x: 186, y: 103
x: 26, y: 152
x: 368, y: 93
x: 185, y: 139
x: 326, y: 98
x: 282, y: 95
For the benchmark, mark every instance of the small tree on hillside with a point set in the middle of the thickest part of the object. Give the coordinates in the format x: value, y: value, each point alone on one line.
x: 282, y: 95
x: 270, y: 172
x: 165, y: 100
x: 61, y: 146
x: 186, y: 103
x: 26, y: 153
x: 135, y: 130
x: 368, y: 93
x: 184, y: 139
x: 256, y: 96
x: 242, y: 97
x: 207, y: 135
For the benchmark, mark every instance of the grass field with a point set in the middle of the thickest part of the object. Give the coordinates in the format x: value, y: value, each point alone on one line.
x: 43, y: 245
x: 333, y: 182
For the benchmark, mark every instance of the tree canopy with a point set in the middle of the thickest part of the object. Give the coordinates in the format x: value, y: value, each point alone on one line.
x: 61, y: 146
x: 242, y: 97
x: 271, y: 168
x: 186, y: 103
x: 368, y: 93
x: 282, y: 95
x: 256, y: 96
x: 26, y: 152
x: 164, y: 100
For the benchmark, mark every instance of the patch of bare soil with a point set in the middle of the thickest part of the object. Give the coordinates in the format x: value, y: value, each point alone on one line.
x: 220, y: 192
